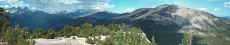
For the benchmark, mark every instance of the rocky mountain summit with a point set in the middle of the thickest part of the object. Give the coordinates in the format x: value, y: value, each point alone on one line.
x: 167, y: 22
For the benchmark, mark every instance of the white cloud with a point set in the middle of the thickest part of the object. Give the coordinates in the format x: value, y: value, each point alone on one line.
x: 1, y: 0
x: 33, y: 7
x: 15, y: 3
x: 217, y: 9
x: 105, y: 6
x: 59, y: 5
x: 154, y: 6
x: 6, y: 6
x: 68, y: 1
x: 227, y: 4
x: 202, y: 9
x: 129, y: 9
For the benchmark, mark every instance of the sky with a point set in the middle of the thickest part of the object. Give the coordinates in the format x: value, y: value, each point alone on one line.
x: 216, y: 7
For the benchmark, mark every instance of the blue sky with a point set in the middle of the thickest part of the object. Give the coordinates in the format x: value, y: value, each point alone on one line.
x: 216, y: 7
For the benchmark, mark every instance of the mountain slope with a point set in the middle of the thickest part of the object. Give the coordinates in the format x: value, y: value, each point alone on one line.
x: 180, y: 19
x: 100, y: 14
x: 167, y: 22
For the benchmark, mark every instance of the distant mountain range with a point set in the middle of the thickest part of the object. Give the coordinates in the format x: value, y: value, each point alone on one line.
x: 39, y: 19
x: 35, y: 19
x: 167, y: 22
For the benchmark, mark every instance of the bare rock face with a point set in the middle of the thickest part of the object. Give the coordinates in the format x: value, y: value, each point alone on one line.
x: 175, y: 13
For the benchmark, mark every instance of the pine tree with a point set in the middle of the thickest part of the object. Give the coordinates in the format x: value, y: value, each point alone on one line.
x: 109, y: 41
x: 187, y: 39
x: 90, y: 40
x: 16, y: 36
x: 48, y: 33
x: 153, y: 41
x: 37, y: 33
x: 3, y: 21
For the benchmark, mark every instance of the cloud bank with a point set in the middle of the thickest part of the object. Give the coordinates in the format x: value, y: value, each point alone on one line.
x: 57, y: 5
x: 227, y: 4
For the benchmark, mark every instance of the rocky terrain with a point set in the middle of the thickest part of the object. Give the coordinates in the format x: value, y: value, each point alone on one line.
x: 167, y: 22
